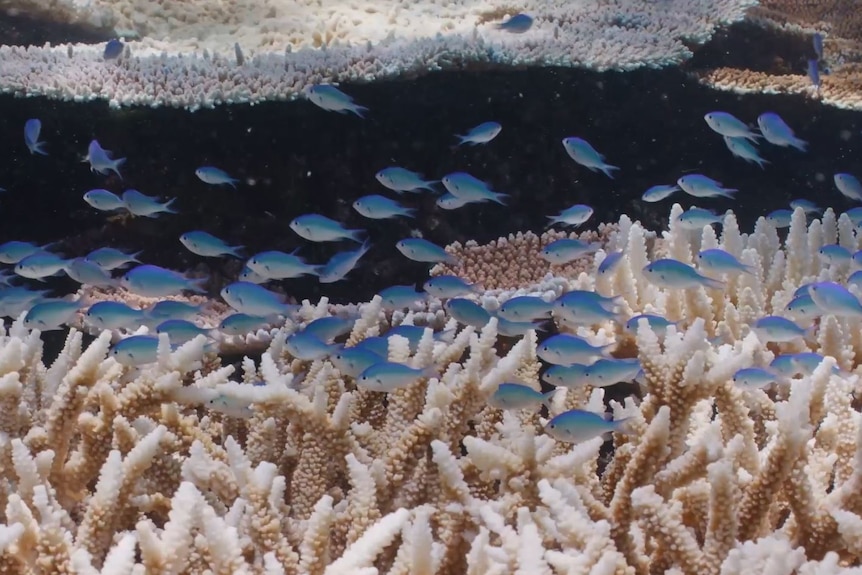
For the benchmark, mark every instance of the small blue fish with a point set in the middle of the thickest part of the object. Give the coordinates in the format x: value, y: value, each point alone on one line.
x: 14, y: 251
x: 16, y: 300
x: 719, y: 261
x: 777, y: 329
x: 252, y: 299
x: 103, y: 200
x: 656, y: 323
x: 207, y: 245
x: 835, y: 254
x: 481, y: 134
x: 807, y: 206
x: 584, y: 154
x: 352, y: 361
x: 471, y: 189
x: 743, y: 149
x: 755, y: 378
x: 855, y: 279
x: 573, y: 216
x: 700, y: 186
x: 566, y: 349
x: 835, y: 299
x: 113, y: 315
x: 101, y: 161
x: 856, y: 258
x: 803, y: 307
x: 806, y: 362
x: 87, y: 273
x: 331, y: 99
x: 577, y: 426
x: 695, y: 218
x: 449, y: 202
x: 180, y: 330
x: 849, y: 186
x: 568, y: 376
x: 328, y: 328
x: 32, y: 129
x: 525, y: 308
x: 51, y: 315
x: 579, y: 295
x: 729, y: 125
x: 113, y: 49
x: 576, y: 309
x: 814, y: 74
x: 145, y: 206
x: 817, y: 43
x: 400, y: 297
x: 342, y: 263
x: 230, y: 406
x: 567, y: 250
x: 385, y: 377
x: 276, y: 265
x: 517, y: 396
x: 855, y: 215
x: 169, y: 309
x: 380, y: 208
x: 111, y: 258
x: 40, y: 265
x: 215, y: 176
x: 136, y: 350
x: 421, y: 250
x: 517, y: 24
x: 777, y: 132
x: 308, y: 347
x: 154, y: 281
x: 249, y: 275
x: 670, y: 273
x: 403, y: 180
x: 780, y: 218
x: 659, y: 192
x: 606, y: 372
x: 467, y: 312
x: 241, y: 323
x: 448, y: 286
x: 318, y: 228
x: 610, y: 263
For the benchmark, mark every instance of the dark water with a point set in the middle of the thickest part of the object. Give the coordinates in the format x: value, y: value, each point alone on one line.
x: 294, y: 158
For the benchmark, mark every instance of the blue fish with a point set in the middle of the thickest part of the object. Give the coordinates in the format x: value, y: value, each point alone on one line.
x: 574, y: 309
x: 525, y: 308
x: 467, y: 312
x: 342, y: 264
x: 318, y: 228
x: 729, y: 125
x: 567, y: 250
x: 32, y: 128
x: 719, y: 261
x: 113, y: 49
x: 575, y: 215
x: 51, y: 315
x: 142, y: 205
x: 328, y: 328
x: 252, y: 299
x: 169, y: 309
x: 656, y: 323
x: 835, y: 254
x: 276, y: 265
x: 12, y: 252
x: 849, y: 186
x: 308, y: 347
x: 568, y: 376
x: 331, y: 99
x: 778, y: 329
x: 403, y: 180
x: 448, y: 286
x: 207, y: 245
x: 103, y: 200
x: 803, y: 307
x: 777, y: 132
x: 449, y: 202
x: 814, y: 74
x: 659, y: 192
x: 87, y: 273
x: 817, y: 43
x: 113, y: 315
x: 481, y: 134
x: 352, y: 361
x: 241, y: 323
x: 700, y: 186
x: 517, y: 396
x: 606, y: 372
x: 517, y: 24
x: 807, y: 206
x: 835, y: 299
x: 136, y: 350
x: 670, y: 273
x: 101, y: 161
x: 180, y: 330
x: 385, y: 377
x: 40, y: 265
x: 755, y: 377
x: 400, y: 297
x: 696, y: 218
x: 566, y: 349
x: 610, y: 263
x: 780, y: 218
x: 471, y: 189
x: 421, y: 250
x: 215, y: 176
x: 380, y: 208
x: 584, y: 154
x: 577, y: 426
x: 743, y: 149
x: 154, y: 281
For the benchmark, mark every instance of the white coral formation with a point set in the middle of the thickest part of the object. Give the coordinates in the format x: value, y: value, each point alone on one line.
x: 111, y: 470
x: 191, y: 53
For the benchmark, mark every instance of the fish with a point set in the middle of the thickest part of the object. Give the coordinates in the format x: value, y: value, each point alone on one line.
x: 421, y: 250
x: 835, y: 299
x: 385, y: 377
x: 580, y: 310
x: 215, y: 176
x: 577, y: 426
x: 670, y: 273
x: 242, y: 323
x: 400, y: 297
x: 481, y: 134
x: 352, y: 361
x: 719, y: 261
x: 584, y: 154
x: 575, y: 215
x: 605, y: 372
x: 835, y: 254
x: 230, y: 406
x: 566, y: 349
x: 342, y: 264
x: 525, y: 308
x: 449, y: 202
x: 51, y: 315
x: 817, y: 44
x: 471, y: 189
x: 755, y: 378
x: 695, y: 218
x: 136, y: 350
x: 814, y: 74
x: 743, y: 149
x: 776, y: 131
x: 14, y: 251
x: 467, y: 312
x: 849, y: 186
x: 403, y: 180
x: 517, y: 396
x: 277, y: 265
x: 113, y: 49
x: 111, y: 258
x: 656, y: 323
x: 207, y: 245
x: 567, y: 250
x: 252, y: 299
x: 103, y: 200
x: 855, y: 215
x: 249, y: 275
x: 802, y: 307
x: 32, y: 129
x: 727, y: 124
x: 153, y: 281
x: 307, y: 346
x: 181, y: 330
x: 142, y: 205
x: 87, y: 273
x: 700, y: 186
x: 329, y: 327
x: 318, y: 228
x: 659, y: 192
x: 568, y: 376
x: 377, y: 207
x: 610, y: 263
x: 780, y: 218
x: 113, y: 315
x: 169, y: 309
x: 807, y: 206
x: 40, y: 265
x: 331, y: 99
x: 16, y: 300
x: 448, y: 286
x: 517, y: 24
x: 100, y: 160
x: 778, y: 329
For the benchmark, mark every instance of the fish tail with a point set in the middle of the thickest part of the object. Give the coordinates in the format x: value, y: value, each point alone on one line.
x: 429, y: 185
x: 235, y: 251
x: 799, y: 144
x: 197, y: 285
x: 38, y: 149
x: 502, y: 199
x: 115, y: 166
x: 356, y: 235
x: 359, y: 110
x: 727, y: 192
x: 409, y: 212
x: 607, y: 169
x: 712, y: 283
x: 169, y: 207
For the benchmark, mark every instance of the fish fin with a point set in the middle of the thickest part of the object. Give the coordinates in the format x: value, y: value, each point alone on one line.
x: 359, y: 110
x: 799, y: 144
x: 502, y: 199
x: 712, y: 283
x: 607, y: 169
x: 37, y: 149
x: 548, y: 396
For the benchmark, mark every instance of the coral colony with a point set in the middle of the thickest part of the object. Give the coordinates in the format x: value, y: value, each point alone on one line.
x: 610, y: 401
